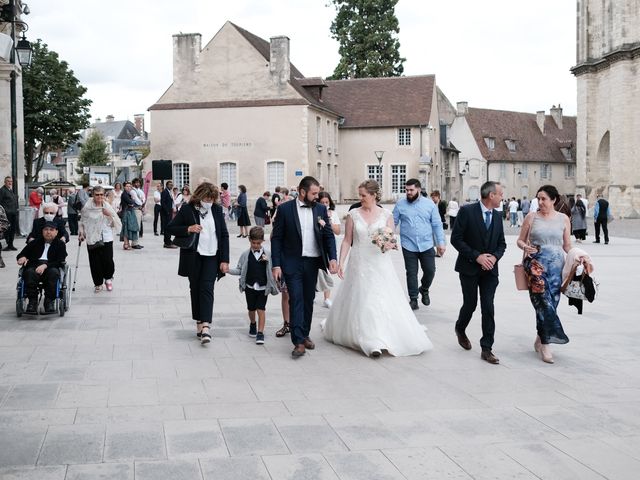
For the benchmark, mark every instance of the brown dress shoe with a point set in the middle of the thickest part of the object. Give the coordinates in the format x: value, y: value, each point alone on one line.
x: 463, y: 340
x: 298, y: 351
x: 308, y: 344
x: 488, y: 356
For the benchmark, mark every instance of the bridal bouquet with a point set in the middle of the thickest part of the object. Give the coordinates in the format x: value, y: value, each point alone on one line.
x: 384, y: 239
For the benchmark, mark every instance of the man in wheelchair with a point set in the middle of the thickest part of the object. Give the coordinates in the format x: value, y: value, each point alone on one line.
x: 42, y: 259
x: 50, y: 212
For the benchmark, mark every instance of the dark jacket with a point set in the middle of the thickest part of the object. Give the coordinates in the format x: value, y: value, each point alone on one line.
x: 126, y: 201
x: 262, y: 209
x: 55, y: 256
x: 38, y: 225
x: 8, y: 200
x: 187, y: 216
x: 286, y: 238
x: 166, y: 201
x: 470, y: 238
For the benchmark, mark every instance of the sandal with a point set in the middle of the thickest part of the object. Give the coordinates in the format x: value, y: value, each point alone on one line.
x: 97, y: 289
x: 199, y: 329
x: 205, y: 337
x: 126, y: 247
x: 283, y: 331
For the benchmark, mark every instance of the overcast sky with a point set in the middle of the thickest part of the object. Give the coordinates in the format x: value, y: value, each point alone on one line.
x: 500, y: 54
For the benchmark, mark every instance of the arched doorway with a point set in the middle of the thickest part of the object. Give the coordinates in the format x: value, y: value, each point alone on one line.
x: 602, y: 170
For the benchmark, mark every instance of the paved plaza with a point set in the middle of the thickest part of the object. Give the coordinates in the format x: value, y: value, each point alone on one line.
x: 119, y: 388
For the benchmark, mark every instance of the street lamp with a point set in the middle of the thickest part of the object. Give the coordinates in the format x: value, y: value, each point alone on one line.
x: 24, y: 52
x: 379, y: 154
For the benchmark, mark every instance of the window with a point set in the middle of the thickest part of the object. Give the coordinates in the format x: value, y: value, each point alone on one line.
x: 404, y: 136
x: 275, y: 175
x: 328, y: 136
x: 490, y: 142
x: 181, y: 174
x: 229, y: 175
x: 511, y: 145
x: 545, y: 171
x: 319, y: 171
x: 566, y: 152
x: 335, y: 138
x: 398, y: 178
x: 374, y: 172
x: 503, y: 170
x: 524, y: 170
x: 570, y: 170
x: 318, y: 132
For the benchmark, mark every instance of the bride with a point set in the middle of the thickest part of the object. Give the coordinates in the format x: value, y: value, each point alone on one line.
x: 370, y: 312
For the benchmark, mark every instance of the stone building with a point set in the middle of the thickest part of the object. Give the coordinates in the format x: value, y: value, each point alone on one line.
x: 523, y: 151
x: 608, y: 76
x: 238, y: 112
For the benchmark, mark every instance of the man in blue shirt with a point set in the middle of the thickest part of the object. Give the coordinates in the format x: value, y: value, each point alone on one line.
x: 420, y: 223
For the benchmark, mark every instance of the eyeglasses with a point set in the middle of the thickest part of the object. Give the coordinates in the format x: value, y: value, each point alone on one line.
x: 98, y: 194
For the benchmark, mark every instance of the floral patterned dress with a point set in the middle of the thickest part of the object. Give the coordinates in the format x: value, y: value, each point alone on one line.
x: 544, y: 270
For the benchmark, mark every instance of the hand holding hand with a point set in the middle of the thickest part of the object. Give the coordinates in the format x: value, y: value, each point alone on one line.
x: 333, y: 267
x: 224, y: 267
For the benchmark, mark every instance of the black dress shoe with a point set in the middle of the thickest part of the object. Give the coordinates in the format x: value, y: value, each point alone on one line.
x: 413, y: 303
x: 156, y: 234
x: 488, y: 356
x: 137, y: 247
x: 425, y: 297
x: 463, y: 340
x: 170, y: 246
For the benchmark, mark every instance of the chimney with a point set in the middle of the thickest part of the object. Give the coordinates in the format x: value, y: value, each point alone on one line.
x: 109, y: 118
x: 540, y: 117
x: 462, y: 108
x: 556, y: 114
x: 186, y: 55
x: 279, y: 65
x: 138, y: 121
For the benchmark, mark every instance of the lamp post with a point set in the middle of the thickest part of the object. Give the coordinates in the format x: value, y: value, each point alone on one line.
x: 379, y: 154
x: 24, y: 52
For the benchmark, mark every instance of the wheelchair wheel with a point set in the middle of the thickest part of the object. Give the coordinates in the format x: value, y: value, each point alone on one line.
x: 61, y: 306
x: 19, y: 307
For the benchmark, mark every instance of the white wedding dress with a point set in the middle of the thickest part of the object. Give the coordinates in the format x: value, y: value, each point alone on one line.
x: 370, y: 311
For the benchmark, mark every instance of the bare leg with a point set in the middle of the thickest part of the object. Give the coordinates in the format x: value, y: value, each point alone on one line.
x: 261, y: 320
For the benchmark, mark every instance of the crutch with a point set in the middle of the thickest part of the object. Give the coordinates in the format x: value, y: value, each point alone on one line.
x: 75, y: 275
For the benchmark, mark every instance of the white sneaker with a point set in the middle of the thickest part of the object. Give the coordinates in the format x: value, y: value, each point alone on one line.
x: 327, y: 303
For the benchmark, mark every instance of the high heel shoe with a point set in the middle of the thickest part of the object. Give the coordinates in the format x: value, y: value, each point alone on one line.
x: 239, y: 236
x: 536, y: 344
x: 545, y: 353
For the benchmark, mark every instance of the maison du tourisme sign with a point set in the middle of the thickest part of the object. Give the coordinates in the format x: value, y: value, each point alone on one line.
x: 215, y: 145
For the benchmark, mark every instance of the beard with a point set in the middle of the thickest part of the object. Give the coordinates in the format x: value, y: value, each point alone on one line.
x: 412, y: 198
x: 309, y: 202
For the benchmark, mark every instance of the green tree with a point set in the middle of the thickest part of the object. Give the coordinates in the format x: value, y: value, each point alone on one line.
x: 367, y: 33
x: 55, y: 110
x: 93, y: 152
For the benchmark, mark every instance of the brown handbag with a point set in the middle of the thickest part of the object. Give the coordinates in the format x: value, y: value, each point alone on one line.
x: 521, y: 277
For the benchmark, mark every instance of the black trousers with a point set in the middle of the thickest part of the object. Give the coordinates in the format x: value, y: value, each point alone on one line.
x: 486, y: 283
x: 201, y: 283
x: 156, y: 214
x: 605, y: 229
x: 301, y: 285
x: 73, y: 223
x: 165, y: 218
x: 49, y: 279
x: 452, y: 222
x: 13, y: 228
x: 427, y: 260
x: 101, y: 263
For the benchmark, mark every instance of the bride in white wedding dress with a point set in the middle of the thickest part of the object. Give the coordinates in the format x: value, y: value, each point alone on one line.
x: 370, y: 312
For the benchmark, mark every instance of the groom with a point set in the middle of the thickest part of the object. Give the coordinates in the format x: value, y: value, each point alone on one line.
x: 299, y: 247
x: 478, y: 236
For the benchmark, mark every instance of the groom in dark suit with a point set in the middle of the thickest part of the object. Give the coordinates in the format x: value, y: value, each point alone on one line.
x: 299, y: 247
x: 478, y: 236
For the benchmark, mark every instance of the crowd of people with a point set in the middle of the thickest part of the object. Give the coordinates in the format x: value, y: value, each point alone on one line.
x: 368, y: 313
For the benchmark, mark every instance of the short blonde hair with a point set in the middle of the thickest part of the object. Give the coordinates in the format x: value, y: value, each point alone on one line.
x: 372, y: 188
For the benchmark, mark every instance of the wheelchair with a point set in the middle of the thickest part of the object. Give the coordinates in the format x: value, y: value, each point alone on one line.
x: 62, y: 294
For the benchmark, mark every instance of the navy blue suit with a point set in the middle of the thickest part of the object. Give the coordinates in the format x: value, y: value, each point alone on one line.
x: 300, y: 273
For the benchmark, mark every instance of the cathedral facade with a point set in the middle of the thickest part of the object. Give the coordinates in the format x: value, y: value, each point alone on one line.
x: 608, y: 124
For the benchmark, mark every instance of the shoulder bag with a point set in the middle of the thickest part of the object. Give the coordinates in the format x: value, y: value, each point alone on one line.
x: 188, y: 242
x: 521, y: 277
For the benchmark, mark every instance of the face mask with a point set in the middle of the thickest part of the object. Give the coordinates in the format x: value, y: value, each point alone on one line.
x: 49, y: 216
x: 207, y: 205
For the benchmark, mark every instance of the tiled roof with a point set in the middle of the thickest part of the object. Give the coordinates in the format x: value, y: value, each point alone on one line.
x: 117, y: 129
x: 531, y: 144
x: 381, y: 102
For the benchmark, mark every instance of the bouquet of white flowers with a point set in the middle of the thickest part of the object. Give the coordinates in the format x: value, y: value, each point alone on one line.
x: 384, y: 239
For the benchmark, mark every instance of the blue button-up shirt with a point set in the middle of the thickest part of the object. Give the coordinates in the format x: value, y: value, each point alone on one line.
x: 419, y: 223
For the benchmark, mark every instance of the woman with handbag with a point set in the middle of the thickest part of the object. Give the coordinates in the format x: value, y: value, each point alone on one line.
x: 545, y: 238
x: 201, y: 234
x: 98, y: 222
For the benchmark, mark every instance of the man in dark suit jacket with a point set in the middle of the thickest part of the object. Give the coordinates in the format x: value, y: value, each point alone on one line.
x: 299, y: 247
x: 41, y: 258
x: 478, y: 235
x: 167, y: 207
x: 49, y: 212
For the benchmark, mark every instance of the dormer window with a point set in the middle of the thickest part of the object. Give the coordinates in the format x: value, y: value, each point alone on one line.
x: 566, y: 152
x: 511, y: 145
x: 491, y: 143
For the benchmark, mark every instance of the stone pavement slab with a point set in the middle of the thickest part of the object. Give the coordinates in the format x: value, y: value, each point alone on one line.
x: 120, y: 388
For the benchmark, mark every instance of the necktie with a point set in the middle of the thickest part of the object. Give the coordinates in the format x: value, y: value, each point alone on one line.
x: 487, y: 219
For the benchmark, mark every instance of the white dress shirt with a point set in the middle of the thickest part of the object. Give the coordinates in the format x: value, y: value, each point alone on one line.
x: 157, y: 197
x: 208, y: 242
x: 257, y: 255
x: 309, y: 244
x: 45, y: 252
